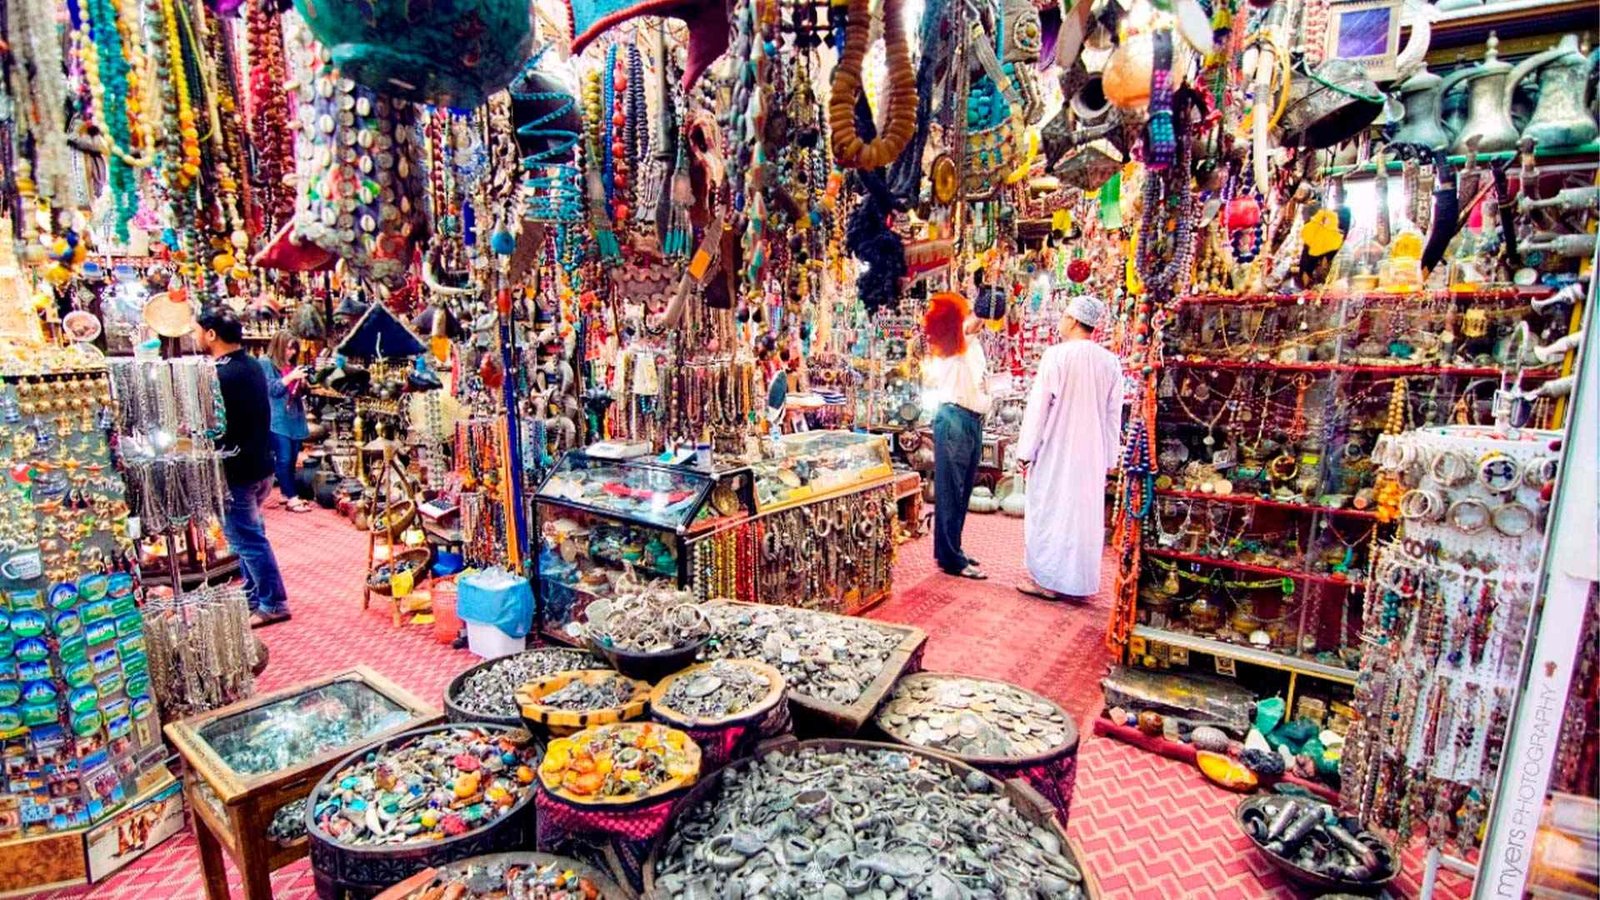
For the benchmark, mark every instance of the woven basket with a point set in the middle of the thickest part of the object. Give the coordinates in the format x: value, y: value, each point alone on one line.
x: 564, y: 722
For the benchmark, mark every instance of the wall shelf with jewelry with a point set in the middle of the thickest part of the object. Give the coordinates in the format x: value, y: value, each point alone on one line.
x: 1266, y: 502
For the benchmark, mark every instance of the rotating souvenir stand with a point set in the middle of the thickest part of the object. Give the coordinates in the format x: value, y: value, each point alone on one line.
x: 1313, y: 490
x: 79, y: 730
x: 166, y: 414
x: 1445, y: 634
x: 639, y: 513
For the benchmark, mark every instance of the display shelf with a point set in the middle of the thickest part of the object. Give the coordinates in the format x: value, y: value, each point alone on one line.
x: 1253, y: 655
x: 1584, y: 154
x: 1249, y: 500
x: 1297, y: 574
x: 224, y: 568
x: 1520, y: 294
x: 1356, y: 368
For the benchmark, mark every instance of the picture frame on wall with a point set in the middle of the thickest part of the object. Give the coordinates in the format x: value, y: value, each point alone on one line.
x: 1365, y: 32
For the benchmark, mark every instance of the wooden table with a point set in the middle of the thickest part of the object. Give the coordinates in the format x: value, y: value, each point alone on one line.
x: 232, y: 810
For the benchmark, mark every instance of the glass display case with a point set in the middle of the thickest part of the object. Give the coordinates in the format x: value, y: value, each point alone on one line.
x: 301, y: 726
x: 812, y: 464
x: 595, y: 518
x: 248, y: 761
x: 645, y: 492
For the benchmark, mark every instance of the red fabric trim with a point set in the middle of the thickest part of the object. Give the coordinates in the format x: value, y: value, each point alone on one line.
x: 1185, y: 753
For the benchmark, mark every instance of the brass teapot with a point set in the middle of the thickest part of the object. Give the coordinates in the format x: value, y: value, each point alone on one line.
x: 1488, y: 112
x: 1422, y: 124
x: 1561, y: 118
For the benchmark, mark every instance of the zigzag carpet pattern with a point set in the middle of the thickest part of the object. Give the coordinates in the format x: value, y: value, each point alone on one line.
x: 1148, y: 826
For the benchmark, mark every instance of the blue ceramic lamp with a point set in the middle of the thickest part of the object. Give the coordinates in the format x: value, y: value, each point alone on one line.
x: 445, y: 53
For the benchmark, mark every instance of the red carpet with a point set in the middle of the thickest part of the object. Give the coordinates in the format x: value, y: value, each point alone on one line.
x: 1149, y: 826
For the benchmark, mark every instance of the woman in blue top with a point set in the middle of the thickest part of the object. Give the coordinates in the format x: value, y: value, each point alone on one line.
x: 285, y: 384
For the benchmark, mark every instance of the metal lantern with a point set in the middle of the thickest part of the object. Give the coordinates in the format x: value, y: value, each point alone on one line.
x: 447, y: 54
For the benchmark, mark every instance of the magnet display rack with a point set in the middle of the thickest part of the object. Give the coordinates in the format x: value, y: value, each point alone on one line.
x: 1260, y: 555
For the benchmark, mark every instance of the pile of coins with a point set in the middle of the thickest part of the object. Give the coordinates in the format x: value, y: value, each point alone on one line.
x: 715, y: 691
x: 820, y: 655
x: 491, y: 690
x: 972, y: 717
x: 578, y: 695
x: 516, y: 877
x: 434, y: 785
x: 817, y: 822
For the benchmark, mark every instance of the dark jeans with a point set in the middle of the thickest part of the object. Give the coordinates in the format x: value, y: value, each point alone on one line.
x: 247, y: 533
x: 957, y: 445
x: 285, y: 457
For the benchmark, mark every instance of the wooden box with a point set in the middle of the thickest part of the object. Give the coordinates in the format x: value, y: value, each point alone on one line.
x: 233, y: 808
x: 816, y: 716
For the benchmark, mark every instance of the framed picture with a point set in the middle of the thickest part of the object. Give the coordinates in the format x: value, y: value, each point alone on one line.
x: 1225, y: 667
x: 1366, y: 32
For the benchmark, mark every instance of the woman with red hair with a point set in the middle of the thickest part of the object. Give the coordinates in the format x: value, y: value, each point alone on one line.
x: 953, y: 373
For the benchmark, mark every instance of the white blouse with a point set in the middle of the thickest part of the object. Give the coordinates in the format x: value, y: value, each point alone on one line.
x: 958, y: 379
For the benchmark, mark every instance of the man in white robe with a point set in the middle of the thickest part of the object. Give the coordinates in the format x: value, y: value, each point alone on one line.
x: 1070, y: 440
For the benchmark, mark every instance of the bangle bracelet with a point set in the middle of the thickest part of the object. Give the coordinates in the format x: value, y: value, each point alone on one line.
x: 1514, y: 519
x: 1540, y: 471
x: 1469, y: 515
x: 1498, y: 473
x: 1283, y: 467
x: 1420, y: 504
x: 1450, y: 468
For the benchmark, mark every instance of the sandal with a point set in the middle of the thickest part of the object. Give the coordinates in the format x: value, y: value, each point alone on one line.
x: 258, y: 620
x: 972, y: 572
x: 1034, y: 590
x: 299, y: 505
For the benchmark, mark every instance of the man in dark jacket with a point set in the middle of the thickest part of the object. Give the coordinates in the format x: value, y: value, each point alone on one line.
x: 246, y: 445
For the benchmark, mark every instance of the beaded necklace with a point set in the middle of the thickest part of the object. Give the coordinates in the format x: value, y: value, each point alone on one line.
x: 608, y: 137
x: 227, y: 131
x: 185, y: 167
x: 636, y: 136
x: 271, y: 201
x: 41, y: 95
x: 113, y: 83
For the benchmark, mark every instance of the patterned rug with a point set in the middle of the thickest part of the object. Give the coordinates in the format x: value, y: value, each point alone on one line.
x: 1148, y: 826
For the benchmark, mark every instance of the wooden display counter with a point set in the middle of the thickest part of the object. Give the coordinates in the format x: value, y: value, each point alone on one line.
x: 83, y: 856
x: 232, y: 810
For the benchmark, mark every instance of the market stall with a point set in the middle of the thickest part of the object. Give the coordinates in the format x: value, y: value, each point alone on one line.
x: 614, y: 331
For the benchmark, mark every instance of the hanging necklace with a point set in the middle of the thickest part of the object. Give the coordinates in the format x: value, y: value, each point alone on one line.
x: 900, y: 106
x: 114, y: 85
x: 1210, y: 425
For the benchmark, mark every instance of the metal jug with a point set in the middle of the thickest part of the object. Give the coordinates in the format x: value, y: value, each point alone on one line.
x: 1488, y: 114
x: 1421, y: 124
x: 1561, y: 118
